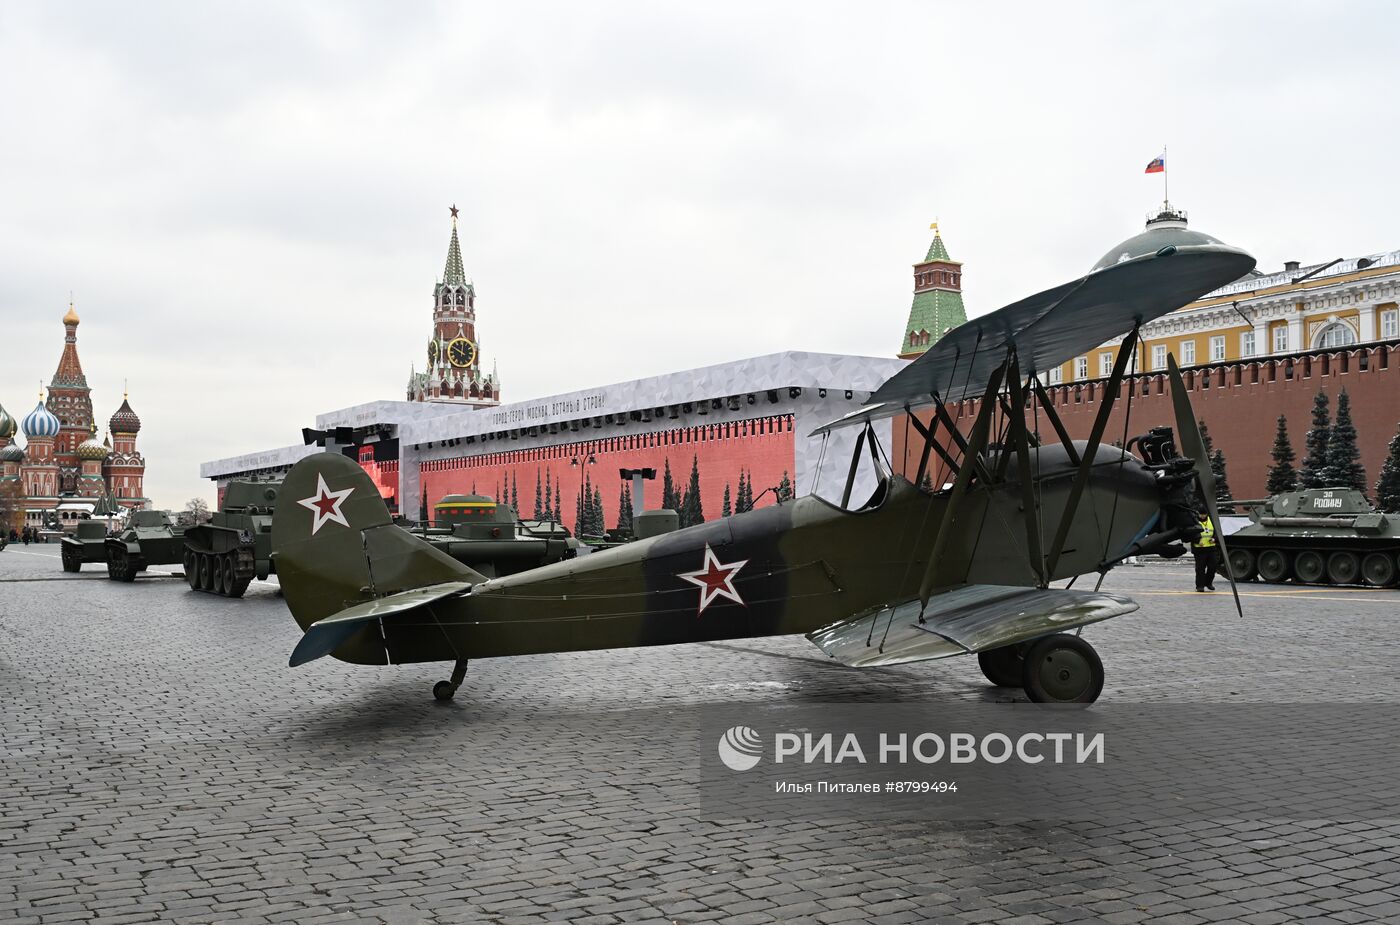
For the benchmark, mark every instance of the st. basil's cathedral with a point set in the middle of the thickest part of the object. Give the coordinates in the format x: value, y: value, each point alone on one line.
x: 63, y: 472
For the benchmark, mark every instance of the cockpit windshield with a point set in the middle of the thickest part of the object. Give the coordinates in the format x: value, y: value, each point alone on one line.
x: 853, y: 473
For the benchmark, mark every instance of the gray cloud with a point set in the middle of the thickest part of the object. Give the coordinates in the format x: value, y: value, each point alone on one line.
x: 249, y: 201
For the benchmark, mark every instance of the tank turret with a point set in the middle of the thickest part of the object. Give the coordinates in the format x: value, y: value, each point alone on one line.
x: 235, y: 546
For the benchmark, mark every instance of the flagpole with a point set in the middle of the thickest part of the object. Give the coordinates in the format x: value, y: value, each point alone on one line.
x: 1166, y: 199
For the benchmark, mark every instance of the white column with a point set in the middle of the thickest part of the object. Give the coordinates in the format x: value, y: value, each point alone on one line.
x: 1262, y: 345
x: 1366, y: 324
x: 1295, y: 332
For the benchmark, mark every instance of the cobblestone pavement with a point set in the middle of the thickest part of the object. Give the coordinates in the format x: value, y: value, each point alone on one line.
x: 161, y: 762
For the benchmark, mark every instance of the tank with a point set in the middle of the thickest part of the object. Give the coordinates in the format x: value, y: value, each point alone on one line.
x: 488, y: 537
x: 235, y: 546
x: 85, y: 545
x: 150, y: 538
x: 1317, y: 536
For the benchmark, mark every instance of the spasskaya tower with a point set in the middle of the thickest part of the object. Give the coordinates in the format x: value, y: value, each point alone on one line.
x: 454, y: 372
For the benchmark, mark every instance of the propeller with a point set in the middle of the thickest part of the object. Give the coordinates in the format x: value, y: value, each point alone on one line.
x: 1194, y: 447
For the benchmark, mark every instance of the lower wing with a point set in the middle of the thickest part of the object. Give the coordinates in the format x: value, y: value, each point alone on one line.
x: 972, y: 618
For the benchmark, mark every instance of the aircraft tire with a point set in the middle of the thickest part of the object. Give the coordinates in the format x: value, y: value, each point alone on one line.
x: 444, y: 690
x: 1003, y: 666
x: 1062, y: 669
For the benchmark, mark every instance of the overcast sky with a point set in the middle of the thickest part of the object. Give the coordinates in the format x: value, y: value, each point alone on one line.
x: 249, y: 201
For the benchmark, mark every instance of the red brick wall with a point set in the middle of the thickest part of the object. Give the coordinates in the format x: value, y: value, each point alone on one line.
x: 1240, y: 403
x: 763, y: 447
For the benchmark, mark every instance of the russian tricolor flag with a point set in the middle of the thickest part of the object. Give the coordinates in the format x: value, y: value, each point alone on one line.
x: 1157, y: 165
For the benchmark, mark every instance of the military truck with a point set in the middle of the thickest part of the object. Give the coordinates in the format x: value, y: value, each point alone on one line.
x: 150, y: 538
x: 488, y: 537
x: 235, y: 546
x: 87, y: 544
x: 1317, y: 536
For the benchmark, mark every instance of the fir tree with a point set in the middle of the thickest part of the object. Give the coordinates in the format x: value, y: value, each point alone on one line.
x: 1388, y: 485
x: 1205, y: 439
x: 539, y: 496
x: 624, y: 508
x: 600, y: 523
x: 1282, y: 476
x: 927, y: 483
x: 423, y: 508
x: 744, y: 502
x: 578, y: 517
x: 1343, y: 457
x: 1222, y: 483
x: 692, y: 511
x: 514, y: 494
x: 670, y: 498
x: 1313, y: 474
x: 785, y: 487
x: 725, y: 510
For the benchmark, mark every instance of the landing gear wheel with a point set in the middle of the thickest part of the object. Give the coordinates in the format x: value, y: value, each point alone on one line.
x: 1003, y: 666
x: 445, y: 690
x: 1309, y: 568
x: 1378, y: 570
x: 1273, y: 565
x: 1062, y: 669
x: 1242, y: 566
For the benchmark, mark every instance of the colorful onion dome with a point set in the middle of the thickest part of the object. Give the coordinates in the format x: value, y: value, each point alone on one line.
x: 125, y: 420
x: 40, y: 422
x: 12, y: 453
x: 7, y: 424
x: 91, y: 449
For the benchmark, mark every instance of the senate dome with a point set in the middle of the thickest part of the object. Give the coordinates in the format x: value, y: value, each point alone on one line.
x: 125, y: 420
x: 40, y: 422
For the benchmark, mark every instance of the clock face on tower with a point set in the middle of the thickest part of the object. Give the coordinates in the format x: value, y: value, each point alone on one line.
x: 461, y: 352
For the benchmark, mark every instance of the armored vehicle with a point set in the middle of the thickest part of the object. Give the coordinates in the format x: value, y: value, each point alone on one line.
x: 150, y: 538
x: 86, y: 544
x: 1317, y: 536
x: 478, y: 532
x: 234, y: 547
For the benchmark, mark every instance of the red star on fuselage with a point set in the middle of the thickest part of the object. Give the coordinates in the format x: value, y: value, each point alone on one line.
x: 715, y: 579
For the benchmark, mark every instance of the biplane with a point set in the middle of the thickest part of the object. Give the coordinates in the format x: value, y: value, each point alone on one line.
x: 959, y: 559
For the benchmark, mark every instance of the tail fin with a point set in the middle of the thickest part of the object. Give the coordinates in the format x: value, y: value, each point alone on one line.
x: 335, y: 547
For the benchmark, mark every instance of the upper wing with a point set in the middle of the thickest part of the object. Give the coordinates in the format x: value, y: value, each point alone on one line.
x: 972, y: 618
x: 1059, y: 324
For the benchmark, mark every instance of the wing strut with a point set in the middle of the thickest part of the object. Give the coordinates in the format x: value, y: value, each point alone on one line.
x: 1055, y: 421
x: 1020, y: 439
x: 980, y: 429
x: 1081, y: 475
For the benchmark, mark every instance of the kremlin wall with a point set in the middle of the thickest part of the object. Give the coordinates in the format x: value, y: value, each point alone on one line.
x: 1257, y: 348
x: 62, y: 473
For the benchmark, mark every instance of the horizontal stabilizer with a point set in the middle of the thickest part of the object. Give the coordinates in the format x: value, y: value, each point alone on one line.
x: 324, y: 636
x: 972, y: 618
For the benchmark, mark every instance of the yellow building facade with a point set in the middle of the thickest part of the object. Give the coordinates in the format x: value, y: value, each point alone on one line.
x: 1327, y: 305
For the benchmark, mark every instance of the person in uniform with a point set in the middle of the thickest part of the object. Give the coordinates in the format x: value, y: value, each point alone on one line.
x: 1204, y: 549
